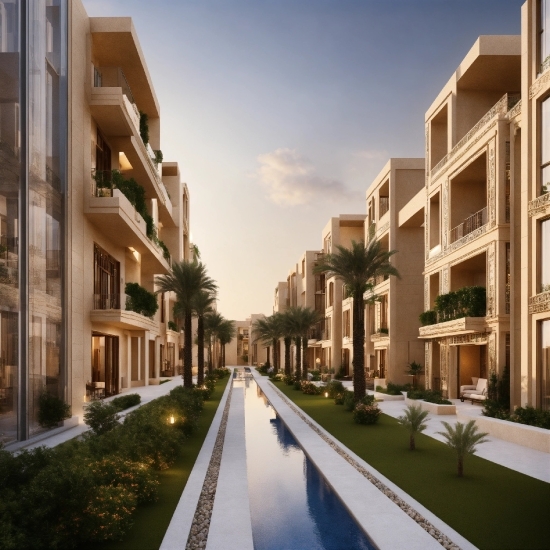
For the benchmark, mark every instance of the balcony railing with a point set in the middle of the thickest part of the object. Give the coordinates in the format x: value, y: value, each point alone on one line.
x: 384, y: 205
x: 106, y: 301
x: 473, y: 222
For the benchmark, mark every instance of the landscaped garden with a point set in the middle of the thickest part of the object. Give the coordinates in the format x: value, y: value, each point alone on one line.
x: 492, y: 506
x: 122, y: 481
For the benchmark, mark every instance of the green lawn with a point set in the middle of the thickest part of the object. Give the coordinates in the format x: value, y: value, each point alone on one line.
x: 492, y: 506
x: 152, y: 520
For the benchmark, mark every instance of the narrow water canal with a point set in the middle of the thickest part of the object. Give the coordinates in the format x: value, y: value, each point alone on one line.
x: 292, y: 506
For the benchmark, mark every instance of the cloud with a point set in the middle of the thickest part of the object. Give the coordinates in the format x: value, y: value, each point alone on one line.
x: 291, y: 179
x: 372, y: 154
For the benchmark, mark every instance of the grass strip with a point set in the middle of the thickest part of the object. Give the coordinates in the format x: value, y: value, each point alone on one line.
x: 492, y: 506
x: 151, y: 521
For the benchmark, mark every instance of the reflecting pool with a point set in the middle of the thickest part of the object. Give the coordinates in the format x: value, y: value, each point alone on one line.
x: 292, y: 506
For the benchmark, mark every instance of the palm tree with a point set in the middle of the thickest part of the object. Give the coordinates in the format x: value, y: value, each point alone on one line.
x: 413, y: 420
x: 226, y: 333
x: 269, y: 330
x: 463, y: 439
x: 212, y: 324
x: 186, y: 280
x: 202, y: 304
x: 357, y: 267
x: 300, y: 321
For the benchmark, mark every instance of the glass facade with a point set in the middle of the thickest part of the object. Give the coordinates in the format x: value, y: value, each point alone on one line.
x: 33, y: 145
x: 545, y: 364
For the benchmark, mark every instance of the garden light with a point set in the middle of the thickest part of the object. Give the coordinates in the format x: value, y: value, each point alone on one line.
x: 172, y: 419
x: 326, y: 394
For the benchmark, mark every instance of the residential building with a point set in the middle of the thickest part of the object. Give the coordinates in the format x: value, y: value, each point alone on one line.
x: 237, y: 351
x: 530, y: 230
x: 87, y: 205
x: 468, y: 217
x: 395, y: 216
x: 339, y: 231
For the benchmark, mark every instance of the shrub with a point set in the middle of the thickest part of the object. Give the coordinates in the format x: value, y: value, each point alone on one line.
x: 366, y: 414
x: 497, y: 404
x: 348, y: 400
x: 431, y: 396
x: 334, y: 387
x: 101, y: 417
x: 52, y: 410
x: 340, y: 375
x: 126, y: 401
x: 221, y: 373
x: 532, y: 417
x: 140, y: 300
x: 262, y: 369
x: 172, y: 326
x: 297, y: 385
x: 396, y: 389
x: 339, y: 398
x: 288, y: 379
x: 428, y: 317
x: 315, y: 375
x: 310, y: 389
x: 144, y: 127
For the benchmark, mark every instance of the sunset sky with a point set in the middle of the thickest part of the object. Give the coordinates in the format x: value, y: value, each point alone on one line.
x: 281, y: 113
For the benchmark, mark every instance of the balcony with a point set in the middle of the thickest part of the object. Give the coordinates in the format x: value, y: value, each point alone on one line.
x: 456, y: 327
x: 114, y: 216
x: 500, y: 108
x: 469, y: 225
x: 112, y: 104
x: 120, y: 318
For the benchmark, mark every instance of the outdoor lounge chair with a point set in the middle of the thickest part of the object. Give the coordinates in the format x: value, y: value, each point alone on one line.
x: 474, y: 392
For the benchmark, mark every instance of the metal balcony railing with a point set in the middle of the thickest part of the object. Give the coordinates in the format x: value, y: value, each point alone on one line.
x: 106, y: 301
x: 473, y: 222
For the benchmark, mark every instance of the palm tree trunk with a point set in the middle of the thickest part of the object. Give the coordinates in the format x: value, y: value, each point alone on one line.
x: 298, y: 342
x: 187, y: 352
x: 223, y: 356
x: 210, y: 355
x: 305, y: 362
x: 200, y: 350
x: 275, y: 356
x: 412, y: 444
x: 359, y: 382
x: 288, y: 341
x: 268, y: 356
x: 460, y: 466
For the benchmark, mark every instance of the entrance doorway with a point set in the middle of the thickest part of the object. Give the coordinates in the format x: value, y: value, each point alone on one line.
x: 471, y: 362
x: 105, y: 366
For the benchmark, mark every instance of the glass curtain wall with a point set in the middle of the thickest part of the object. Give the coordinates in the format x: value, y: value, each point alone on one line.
x: 47, y: 141
x: 33, y: 143
x: 10, y: 188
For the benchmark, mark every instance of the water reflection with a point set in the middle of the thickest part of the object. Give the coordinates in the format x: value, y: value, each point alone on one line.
x: 292, y: 506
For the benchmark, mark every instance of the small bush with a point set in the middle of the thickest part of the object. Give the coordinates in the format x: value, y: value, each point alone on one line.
x: 366, y: 414
x: 339, y: 398
x: 262, y: 369
x: 315, y: 375
x: 297, y: 385
x: 140, y: 300
x: 101, y: 417
x: 349, y: 401
x: 396, y: 389
x: 126, y: 401
x: 334, y: 387
x: 431, y: 396
x: 428, y: 317
x: 52, y: 410
x: 310, y: 389
x: 221, y: 373
x: 288, y: 379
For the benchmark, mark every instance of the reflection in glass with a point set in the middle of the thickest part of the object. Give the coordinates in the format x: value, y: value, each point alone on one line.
x: 10, y: 186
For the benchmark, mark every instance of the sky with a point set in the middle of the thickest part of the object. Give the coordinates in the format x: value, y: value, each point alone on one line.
x: 281, y: 113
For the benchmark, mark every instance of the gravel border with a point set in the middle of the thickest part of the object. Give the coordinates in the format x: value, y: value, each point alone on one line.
x: 198, y: 534
x: 442, y: 539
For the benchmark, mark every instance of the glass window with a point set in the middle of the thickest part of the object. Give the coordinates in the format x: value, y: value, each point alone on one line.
x: 545, y: 256
x: 544, y: 30
x: 545, y: 364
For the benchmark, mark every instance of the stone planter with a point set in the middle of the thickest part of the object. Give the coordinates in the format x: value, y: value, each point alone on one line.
x: 433, y: 408
x: 379, y: 382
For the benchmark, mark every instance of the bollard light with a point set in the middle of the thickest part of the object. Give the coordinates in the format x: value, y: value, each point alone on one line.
x: 172, y: 419
x: 326, y: 394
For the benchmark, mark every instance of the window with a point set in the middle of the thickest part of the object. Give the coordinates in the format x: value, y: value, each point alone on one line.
x: 544, y: 33
x: 545, y: 256
x: 545, y: 364
x: 346, y: 333
x: 106, y: 280
x: 102, y: 154
x: 545, y: 147
x: 303, y: 268
x: 330, y: 294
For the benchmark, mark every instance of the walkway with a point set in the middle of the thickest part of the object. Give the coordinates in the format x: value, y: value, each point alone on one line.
x: 75, y: 427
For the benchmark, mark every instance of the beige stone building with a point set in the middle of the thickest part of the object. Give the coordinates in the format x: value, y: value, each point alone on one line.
x: 336, y: 354
x: 469, y: 177
x: 395, y: 216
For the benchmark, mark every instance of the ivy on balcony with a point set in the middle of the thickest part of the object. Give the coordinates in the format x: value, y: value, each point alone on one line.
x: 469, y: 301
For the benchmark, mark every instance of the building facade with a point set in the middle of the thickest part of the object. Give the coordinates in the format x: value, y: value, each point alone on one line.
x: 89, y: 213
